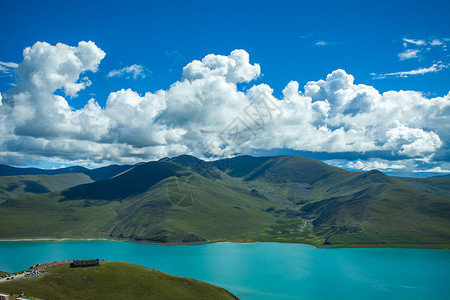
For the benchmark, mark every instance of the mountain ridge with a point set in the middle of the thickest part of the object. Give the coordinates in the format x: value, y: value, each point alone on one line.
x: 282, y: 199
x: 97, y: 174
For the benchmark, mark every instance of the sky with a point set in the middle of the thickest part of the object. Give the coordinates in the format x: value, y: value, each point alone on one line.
x: 358, y: 84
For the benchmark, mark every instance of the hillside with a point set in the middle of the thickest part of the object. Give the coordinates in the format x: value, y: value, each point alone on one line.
x: 282, y: 199
x: 23, y: 185
x: 113, y: 280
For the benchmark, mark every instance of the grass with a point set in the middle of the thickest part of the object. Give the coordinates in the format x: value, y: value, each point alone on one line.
x: 114, y: 280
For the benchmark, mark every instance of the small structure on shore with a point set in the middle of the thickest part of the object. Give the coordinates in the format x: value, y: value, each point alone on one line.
x: 4, y: 297
x: 85, y: 263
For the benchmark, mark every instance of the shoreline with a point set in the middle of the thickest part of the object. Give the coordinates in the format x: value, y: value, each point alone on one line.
x: 368, y: 246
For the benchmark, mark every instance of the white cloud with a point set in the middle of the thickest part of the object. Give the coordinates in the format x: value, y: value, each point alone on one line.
x: 234, y: 68
x: 432, y: 170
x: 415, y: 42
x: 407, y: 54
x: 48, y: 68
x: 376, y: 164
x: 423, y: 46
x: 403, y: 167
x: 10, y: 65
x: 7, y: 67
x: 32, y: 108
x: 412, y: 141
x: 135, y: 71
x: 321, y: 43
x: 199, y: 114
x: 436, y: 67
x: 325, y: 43
x: 436, y: 43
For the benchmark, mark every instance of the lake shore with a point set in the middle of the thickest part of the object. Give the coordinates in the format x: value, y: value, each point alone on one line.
x: 406, y: 246
x: 266, y: 270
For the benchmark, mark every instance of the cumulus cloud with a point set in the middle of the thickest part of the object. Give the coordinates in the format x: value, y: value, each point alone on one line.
x: 205, y: 113
x: 407, y: 54
x: 133, y: 71
x: 234, y: 68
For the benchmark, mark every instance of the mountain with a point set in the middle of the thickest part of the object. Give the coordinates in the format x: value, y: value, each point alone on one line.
x: 95, y: 174
x: 441, y: 176
x: 16, y: 182
x: 24, y: 185
x: 12, y: 171
x: 111, y: 280
x: 281, y: 199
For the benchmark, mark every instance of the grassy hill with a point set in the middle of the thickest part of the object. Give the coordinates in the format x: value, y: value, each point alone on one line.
x: 282, y: 199
x: 148, y: 202
x: 113, y: 280
x: 23, y: 185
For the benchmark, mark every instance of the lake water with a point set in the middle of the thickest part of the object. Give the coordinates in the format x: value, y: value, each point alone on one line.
x: 266, y: 270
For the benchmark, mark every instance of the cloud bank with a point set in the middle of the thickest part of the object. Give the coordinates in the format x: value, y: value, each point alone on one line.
x: 192, y: 116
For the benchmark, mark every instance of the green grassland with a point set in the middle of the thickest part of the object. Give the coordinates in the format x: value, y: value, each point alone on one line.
x: 113, y: 280
x: 278, y: 199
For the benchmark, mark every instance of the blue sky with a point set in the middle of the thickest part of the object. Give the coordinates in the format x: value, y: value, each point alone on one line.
x: 400, y: 46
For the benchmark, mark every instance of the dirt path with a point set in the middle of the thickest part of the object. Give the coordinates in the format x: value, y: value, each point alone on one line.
x: 33, y: 273
x: 304, y: 225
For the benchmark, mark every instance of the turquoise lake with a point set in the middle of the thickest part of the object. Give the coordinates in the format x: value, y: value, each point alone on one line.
x: 266, y: 270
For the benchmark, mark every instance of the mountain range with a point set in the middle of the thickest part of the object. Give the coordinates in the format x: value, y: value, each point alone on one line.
x: 242, y: 199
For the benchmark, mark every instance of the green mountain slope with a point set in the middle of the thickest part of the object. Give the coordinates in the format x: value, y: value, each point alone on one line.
x: 23, y: 185
x: 113, y: 280
x: 283, y: 199
x: 152, y: 202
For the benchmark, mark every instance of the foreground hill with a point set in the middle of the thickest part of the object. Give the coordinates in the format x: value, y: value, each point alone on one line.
x: 282, y: 199
x: 112, y: 280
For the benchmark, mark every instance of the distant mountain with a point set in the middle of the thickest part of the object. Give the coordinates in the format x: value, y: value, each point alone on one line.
x: 281, y: 199
x: 95, y: 174
x: 441, y: 176
x: 24, y: 185
x: 12, y: 171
